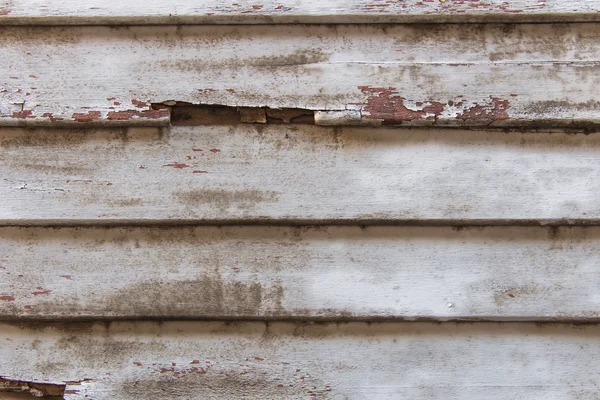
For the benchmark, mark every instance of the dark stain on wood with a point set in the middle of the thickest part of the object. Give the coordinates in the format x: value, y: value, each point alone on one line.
x: 225, y: 199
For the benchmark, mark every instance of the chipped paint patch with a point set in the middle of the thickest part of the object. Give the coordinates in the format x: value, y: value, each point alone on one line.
x: 176, y: 165
x: 24, y: 114
x: 87, y: 117
x: 495, y: 110
x: 41, y: 291
x: 387, y: 105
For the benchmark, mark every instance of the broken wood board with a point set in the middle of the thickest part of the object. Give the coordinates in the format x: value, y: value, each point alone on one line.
x: 113, y: 12
x: 299, y: 174
x: 216, y: 360
x: 303, y: 273
x: 447, y: 75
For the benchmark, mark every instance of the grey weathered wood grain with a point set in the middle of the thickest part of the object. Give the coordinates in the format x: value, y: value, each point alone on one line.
x: 115, y: 12
x: 334, y: 273
x: 297, y: 174
x: 447, y: 75
x: 214, y: 360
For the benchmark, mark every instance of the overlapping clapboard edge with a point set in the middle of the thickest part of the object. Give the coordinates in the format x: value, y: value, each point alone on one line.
x: 114, y: 12
x: 409, y: 75
x: 385, y: 108
x: 255, y: 360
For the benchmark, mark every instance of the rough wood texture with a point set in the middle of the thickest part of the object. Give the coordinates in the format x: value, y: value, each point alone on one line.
x: 116, y: 12
x: 192, y: 360
x: 446, y: 75
x: 335, y: 273
x: 297, y: 174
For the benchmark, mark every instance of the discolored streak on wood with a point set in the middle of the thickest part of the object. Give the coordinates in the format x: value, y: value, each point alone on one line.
x: 35, y: 389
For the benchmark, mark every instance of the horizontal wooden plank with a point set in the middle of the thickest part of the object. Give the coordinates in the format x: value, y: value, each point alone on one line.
x: 446, y: 75
x: 185, y: 360
x: 297, y: 175
x: 326, y: 273
x: 96, y: 12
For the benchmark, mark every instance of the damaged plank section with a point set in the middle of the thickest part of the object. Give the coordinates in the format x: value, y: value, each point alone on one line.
x: 297, y: 174
x: 34, y: 389
x: 114, y: 12
x: 302, y: 273
x: 526, y: 75
x: 194, y: 115
x: 254, y: 360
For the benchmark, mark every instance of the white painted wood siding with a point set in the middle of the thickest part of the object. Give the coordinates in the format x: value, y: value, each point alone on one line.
x: 445, y: 75
x: 113, y: 12
x: 335, y: 273
x: 297, y: 174
x: 215, y: 360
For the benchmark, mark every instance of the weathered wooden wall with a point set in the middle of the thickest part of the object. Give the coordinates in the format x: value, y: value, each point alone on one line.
x: 233, y: 203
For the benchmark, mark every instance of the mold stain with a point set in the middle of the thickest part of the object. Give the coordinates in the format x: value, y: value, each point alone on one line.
x: 209, y: 296
x: 226, y: 199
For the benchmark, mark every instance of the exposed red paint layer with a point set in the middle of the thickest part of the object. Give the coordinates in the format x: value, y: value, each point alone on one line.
x: 24, y: 114
x: 139, y: 104
x: 66, y: 277
x: 177, y: 165
x: 51, y: 117
x: 494, y: 111
x: 41, y: 291
x: 385, y: 104
x: 139, y: 364
x: 215, y: 150
x: 90, y: 116
x: 7, y: 298
x: 200, y: 172
x: 28, y: 307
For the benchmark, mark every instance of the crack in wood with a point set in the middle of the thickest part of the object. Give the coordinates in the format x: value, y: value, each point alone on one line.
x: 205, y: 114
